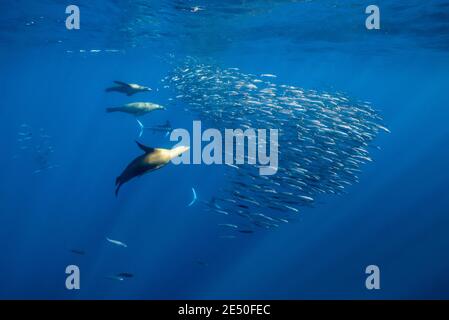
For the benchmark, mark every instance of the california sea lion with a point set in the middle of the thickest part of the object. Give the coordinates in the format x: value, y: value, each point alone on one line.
x: 152, y: 159
x: 128, y: 88
x: 136, y: 108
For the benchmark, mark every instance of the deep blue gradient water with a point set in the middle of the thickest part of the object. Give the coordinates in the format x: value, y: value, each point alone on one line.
x: 396, y: 217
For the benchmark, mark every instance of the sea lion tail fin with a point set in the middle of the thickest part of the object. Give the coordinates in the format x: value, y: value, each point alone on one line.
x: 144, y: 147
x: 117, y: 190
x: 118, y: 183
x: 110, y: 89
x: 141, y: 127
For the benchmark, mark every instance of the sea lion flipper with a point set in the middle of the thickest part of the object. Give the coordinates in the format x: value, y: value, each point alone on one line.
x: 118, y: 184
x: 117, y: 189
x: 145, y: 148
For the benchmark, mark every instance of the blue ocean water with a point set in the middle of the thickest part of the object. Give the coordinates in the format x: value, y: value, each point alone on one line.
x: 53, y: 80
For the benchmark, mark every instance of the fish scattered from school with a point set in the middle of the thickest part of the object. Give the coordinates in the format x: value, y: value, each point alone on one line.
x: 117, y: 242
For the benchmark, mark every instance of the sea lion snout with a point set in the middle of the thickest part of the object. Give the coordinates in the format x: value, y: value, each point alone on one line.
x: 177, y: 151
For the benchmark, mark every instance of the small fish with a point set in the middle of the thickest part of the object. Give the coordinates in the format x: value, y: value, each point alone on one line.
x: 306, y: 198
x: 246, y: 231
x: 115, y: 278
x: 202, y: 263
x: 116, y: 242
x: 291, y: 208
x: 222, y: 212
x: 125, y: 275
x: 228, y: 225
x: 194, y: 198
x: 196, y: 9
x: 268, y: 75
x: 76, y: 251
x: 228, y: 237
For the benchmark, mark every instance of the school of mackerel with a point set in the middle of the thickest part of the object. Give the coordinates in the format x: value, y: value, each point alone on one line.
x: 324, y: 139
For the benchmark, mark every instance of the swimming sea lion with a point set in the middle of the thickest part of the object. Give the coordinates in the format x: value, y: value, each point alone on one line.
x: 128, y: 88
x: 152, y: 159
x: 136, y: 108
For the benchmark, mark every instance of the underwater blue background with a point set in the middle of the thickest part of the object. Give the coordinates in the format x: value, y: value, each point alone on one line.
x: 397, y: 217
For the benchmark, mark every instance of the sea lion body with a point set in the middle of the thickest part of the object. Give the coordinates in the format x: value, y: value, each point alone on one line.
x: 153, y: 159
x: 136, y: 108
x: 128, y: 88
